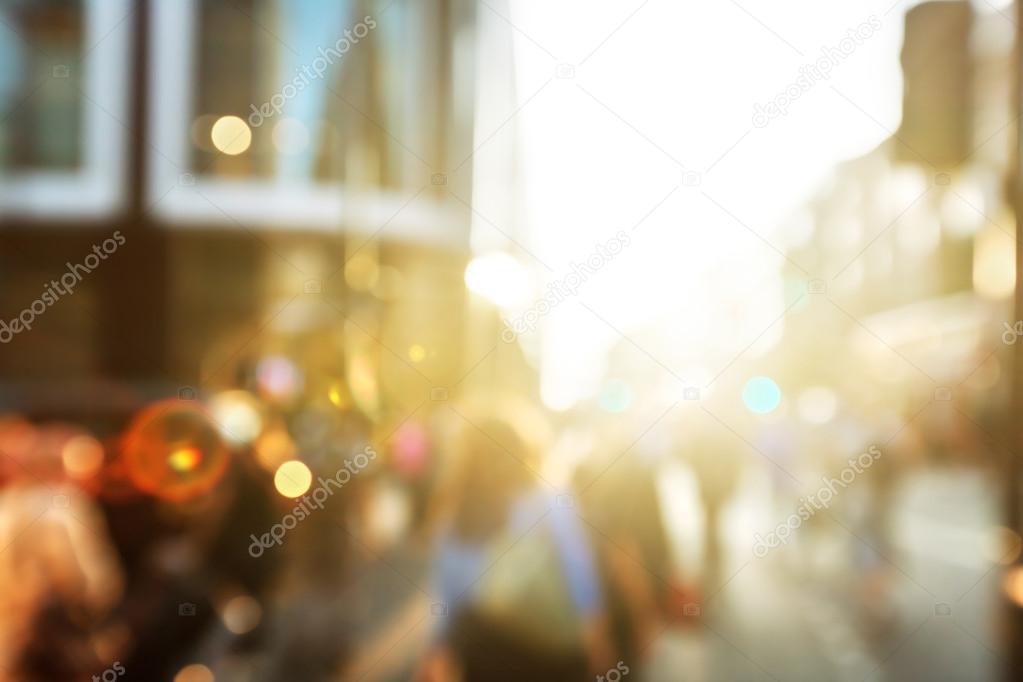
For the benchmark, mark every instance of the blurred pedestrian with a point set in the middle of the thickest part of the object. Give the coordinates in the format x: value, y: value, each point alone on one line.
x: 513, y: 569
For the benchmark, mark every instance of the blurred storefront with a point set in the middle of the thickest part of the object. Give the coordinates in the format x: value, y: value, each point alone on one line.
x: 235, y: 255
x: 914, y: 241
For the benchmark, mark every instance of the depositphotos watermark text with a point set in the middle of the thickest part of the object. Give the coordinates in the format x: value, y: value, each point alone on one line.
x: 309, y: 502
x: 310, y: 72
x: 811, y: 504
x: 566, y: 287
x: 65, y: 286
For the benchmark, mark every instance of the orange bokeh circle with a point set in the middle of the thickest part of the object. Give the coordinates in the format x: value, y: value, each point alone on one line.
x: 172, y: 450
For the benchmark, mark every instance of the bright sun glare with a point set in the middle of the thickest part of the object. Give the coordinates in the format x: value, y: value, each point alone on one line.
x: 628, y: 138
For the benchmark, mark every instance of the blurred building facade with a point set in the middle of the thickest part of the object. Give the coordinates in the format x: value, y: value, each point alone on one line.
x: 339, y: 219
x: 912, y: 244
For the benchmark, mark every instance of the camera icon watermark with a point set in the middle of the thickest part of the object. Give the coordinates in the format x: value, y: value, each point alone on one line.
x: 817, y: 286
x: 61, y: 71
x: 187, y: 393
x: 61, y: 501
x: 691, y: 610
x: 691, y: 393
x: 312, y: 286
x: 943, y: 179
x: 439, y: 179
x: 438, y: 609
x: 943, y: 393
x: 564, y: 501
x: 187, y: 609
x: 438, y: 394
x: 186, y: 180
x: 564, y: 71
x: 692, y: 178
x: 943, y: 609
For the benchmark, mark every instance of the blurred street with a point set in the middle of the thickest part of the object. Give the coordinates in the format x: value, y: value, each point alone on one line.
x: 811, y: 621
x: 497, y: 340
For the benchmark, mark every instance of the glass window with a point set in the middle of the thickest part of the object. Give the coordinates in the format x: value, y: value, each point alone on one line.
x: 41, y: 94
x: 304, y: 112
x: 63, y: 94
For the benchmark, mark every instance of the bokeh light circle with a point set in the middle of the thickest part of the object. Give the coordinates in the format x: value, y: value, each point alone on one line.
x: 231, y: 135
x: 616, y: 396
x: 278, y: 377
x: 194, y: 673
x: 817, y: 405
x: 237, y: 416
x: 290, y: 136
x: 172, y: 450
x: 241, y: 614
x: 1012, y: 583
x: 273, y: 448
x: 761, y: 395
x: 82, y: 457
x: 293, y: 478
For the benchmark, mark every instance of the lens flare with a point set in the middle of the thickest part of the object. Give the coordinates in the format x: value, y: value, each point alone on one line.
x: 184, y: 459
x: 172, y: 450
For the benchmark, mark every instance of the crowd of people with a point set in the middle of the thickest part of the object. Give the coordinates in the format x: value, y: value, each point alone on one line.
x: 135, y: 550
x: 131, y: 555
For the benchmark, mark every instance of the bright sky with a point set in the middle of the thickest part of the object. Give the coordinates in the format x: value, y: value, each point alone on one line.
x: 671, y: 91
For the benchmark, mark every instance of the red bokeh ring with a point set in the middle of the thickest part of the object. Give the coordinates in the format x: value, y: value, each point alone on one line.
x: 145, y: 452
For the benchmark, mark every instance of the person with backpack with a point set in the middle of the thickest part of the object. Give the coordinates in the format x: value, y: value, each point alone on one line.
x: 514, y: 570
